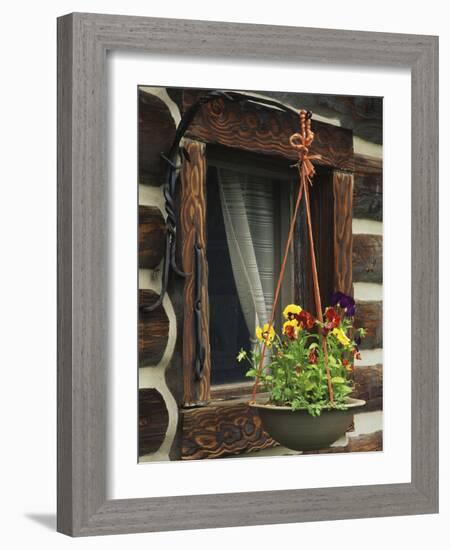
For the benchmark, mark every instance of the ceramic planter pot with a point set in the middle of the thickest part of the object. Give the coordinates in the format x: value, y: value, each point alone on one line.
x: 300, y: 431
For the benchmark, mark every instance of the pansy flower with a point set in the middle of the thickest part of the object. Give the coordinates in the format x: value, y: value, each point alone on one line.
x: 347, y: 303
x: 305, y: 320
x: 332, y: 320
x: 332, y: 317
x: 291, y: 311
x: 266, y: 333
x: 290, y: 329
x: 336, y: 298
x: 341, y: 336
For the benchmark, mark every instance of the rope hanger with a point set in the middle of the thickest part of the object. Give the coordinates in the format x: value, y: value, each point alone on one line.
x: 301, y: 142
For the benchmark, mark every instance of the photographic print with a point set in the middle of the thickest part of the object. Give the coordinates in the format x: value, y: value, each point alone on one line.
x: 260, y: 254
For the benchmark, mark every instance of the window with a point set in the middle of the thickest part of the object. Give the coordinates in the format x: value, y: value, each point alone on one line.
x: 248, y: 213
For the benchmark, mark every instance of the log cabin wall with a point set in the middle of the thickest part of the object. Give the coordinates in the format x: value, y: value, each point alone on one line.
x: 159, y: 336
x: 162, y: 428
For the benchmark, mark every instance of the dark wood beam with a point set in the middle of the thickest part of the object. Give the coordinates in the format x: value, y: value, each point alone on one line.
x: 156, y: 133
x: 369, y: 386
x: 368, y: 196
x: 370, y: 316
x: 368, y: 258
x: 251, y: 127
x: 153, y: 420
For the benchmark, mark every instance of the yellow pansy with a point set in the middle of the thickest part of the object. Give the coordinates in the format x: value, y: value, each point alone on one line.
x: 290, y: 329
x: 341, y: 336
x: 291, y: 311
x: 266, y: 333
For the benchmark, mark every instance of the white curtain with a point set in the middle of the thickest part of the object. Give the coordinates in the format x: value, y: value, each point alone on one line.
x: 248, y: 205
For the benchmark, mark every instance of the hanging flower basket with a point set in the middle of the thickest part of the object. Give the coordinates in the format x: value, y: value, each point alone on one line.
x: 308, y: 374
x: 299, y: 431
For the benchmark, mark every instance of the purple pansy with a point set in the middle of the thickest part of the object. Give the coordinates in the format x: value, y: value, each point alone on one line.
x: 347, y: 303
x: 336, y: 298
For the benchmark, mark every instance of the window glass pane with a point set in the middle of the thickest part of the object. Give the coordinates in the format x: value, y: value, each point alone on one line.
x: 244, y: 243
x: 228, y: 329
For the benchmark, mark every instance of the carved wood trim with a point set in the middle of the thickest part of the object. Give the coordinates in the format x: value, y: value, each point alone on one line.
x: 222, y: 429
x: 260, y: 129
x: 343, y: 233
x: 193, y: 227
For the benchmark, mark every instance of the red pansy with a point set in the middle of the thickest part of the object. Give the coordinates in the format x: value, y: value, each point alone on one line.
x: 305, y: 319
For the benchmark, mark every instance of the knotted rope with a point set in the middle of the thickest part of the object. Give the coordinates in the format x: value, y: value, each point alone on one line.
x: 301, y: 142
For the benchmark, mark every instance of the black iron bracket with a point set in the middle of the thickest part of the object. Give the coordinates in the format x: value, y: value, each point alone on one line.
x: 200, y: 353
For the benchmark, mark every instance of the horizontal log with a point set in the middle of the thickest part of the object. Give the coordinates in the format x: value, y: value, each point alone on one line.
x: 266, y: 130
x: 365, y: 443
x: 153, y: 330
x: 355, y: 444
x: 369, y: 315
x: 368, y: 196
x: 222, y: 429
x: 152, y: 236
x: 367, y: 258
x: 369, y: 386
x: 367, y: 164
x: 156, y: 133
x: 153, y: 420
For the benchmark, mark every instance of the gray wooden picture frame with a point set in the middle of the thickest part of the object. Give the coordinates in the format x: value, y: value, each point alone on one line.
x: 83, y: 41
